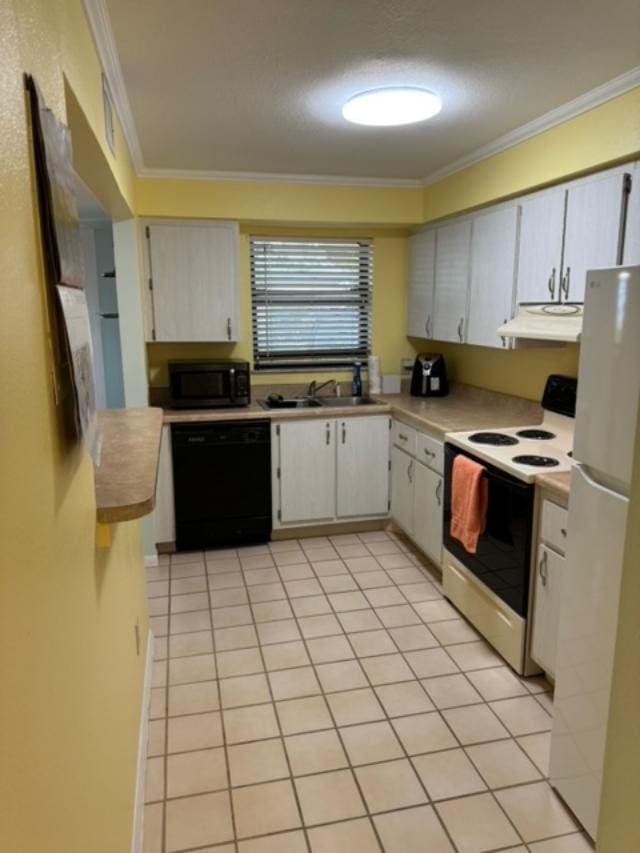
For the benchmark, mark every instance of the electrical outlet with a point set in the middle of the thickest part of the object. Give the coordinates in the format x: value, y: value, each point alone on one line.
x: 136, y: 631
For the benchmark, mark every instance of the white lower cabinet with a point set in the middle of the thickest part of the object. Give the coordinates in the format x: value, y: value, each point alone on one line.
x: 363, y: 467
x: 332, y: 470
x: 164, y: 513
x: 546, y: 608
x: 427, y: 511
x: 307, y: 471
x: 402, y: 468
x: 417, y: 488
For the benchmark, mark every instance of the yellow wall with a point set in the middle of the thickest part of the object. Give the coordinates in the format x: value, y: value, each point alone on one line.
x: 602, y: 136
x: 291, y: 204
x: 522, y: 373
x: 388, y: 318
x: 71, y: 680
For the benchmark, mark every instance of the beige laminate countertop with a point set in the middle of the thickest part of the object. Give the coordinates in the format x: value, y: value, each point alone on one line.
x: 466, y: 407
x: 558, y: 483
x: 125, y: 480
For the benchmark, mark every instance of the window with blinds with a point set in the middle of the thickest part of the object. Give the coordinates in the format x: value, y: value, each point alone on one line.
x: 311, y: 301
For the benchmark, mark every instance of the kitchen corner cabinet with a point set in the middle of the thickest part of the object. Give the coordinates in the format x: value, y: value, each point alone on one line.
x: 192, y: 280
x: 417, y: 466
x: 328, y: 471
x: 547, y: 570
x: 452, y: 281
x: 164, y: 513
x: 494, y: 246
x: 422, y: 266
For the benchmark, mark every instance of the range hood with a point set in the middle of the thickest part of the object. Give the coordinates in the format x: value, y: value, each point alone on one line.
x: 552, y: 321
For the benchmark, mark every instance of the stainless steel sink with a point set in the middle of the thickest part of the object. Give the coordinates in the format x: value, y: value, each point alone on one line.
x: 291, y: 403
x: 345, y: 402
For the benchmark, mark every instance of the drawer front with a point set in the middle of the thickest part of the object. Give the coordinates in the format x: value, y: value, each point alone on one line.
x: 404, y: 436
x: 553, y: 526
x: 430, y: 451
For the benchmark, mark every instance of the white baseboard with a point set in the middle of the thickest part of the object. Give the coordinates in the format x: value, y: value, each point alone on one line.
x: 138, y: 806
x: 150, y: 560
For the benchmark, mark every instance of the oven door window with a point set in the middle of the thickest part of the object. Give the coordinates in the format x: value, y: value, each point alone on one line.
x: 206, y: 384
x: 501, y: 561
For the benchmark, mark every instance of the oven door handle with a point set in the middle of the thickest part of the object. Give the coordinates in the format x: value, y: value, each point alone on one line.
x: 542, y: 568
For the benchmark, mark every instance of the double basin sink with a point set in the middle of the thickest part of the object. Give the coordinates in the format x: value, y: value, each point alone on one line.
x: 315, y: 402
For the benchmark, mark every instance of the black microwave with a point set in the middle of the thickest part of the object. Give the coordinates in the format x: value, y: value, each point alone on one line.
x: 209, y: 384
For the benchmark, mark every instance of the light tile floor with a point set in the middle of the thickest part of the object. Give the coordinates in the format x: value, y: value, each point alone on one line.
x: 321, y: 695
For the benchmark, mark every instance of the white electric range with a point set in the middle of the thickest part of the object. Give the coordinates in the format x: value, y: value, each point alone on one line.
x: 491, y: 586
x: 523, y: 451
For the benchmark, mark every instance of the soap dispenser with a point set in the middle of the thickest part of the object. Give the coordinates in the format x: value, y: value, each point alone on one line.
x: 356, y: 385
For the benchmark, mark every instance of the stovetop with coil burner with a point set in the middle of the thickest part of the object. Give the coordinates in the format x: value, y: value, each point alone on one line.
x: 524, y: 451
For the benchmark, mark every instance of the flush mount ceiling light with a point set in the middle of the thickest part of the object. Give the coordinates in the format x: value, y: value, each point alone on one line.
x: 393, y: 105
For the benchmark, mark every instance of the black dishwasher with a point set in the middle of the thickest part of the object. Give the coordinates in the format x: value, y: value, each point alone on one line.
x: 222, y: 483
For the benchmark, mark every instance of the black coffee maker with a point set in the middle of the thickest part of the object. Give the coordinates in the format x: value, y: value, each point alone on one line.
x: 429, y: 377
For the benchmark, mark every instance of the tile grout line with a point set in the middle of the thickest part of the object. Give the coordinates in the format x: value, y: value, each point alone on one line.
x: 222, y: 723
x: 398, y: 739
x: 335, y: 725
x: 281, y: 739
x: 344, y: 633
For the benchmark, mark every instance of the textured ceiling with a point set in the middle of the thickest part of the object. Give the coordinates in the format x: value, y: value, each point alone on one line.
x: 257, y: 85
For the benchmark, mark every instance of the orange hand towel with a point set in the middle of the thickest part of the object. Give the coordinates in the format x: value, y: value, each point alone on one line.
x: 469, y: 496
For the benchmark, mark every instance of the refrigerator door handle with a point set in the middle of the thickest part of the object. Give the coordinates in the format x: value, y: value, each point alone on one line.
x: 614, y: 489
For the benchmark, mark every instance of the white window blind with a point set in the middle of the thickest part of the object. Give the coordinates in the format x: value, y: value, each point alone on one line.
x: 311, y: 301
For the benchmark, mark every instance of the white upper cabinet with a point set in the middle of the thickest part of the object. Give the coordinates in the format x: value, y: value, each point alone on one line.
x: 422, y: 264
x: 631, y: 255
x: 193, y: 273
x: 493, y: 269
x: 452, y: 281
x: 363, y: 466
x: 593, y: 230
x: 540, y: 254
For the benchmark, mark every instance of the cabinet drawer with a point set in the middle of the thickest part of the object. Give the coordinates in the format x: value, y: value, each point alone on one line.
x: 430, y: 451
x: 553, y: 526
x: 404, y: 436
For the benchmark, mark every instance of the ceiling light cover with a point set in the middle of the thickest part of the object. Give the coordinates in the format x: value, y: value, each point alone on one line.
x: 393, y: 105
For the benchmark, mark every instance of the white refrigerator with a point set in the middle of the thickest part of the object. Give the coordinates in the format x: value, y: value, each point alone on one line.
x: 606, y: 421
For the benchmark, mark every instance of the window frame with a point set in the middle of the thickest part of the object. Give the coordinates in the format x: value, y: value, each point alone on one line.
x: 360, y: 295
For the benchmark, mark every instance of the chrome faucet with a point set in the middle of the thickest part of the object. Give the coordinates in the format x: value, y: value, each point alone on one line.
x: 314, y: 387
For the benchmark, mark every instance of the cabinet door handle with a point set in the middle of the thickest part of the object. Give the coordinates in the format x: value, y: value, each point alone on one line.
x: 460, y: 328
x: 502, y: 337
x: 427, y: 325
x: 563, y: 530
x: 410, y: 472
x: 430, y: 453
x: 403, y: 437
x: 566, y: 283
x: 439, y: 492
x: 344, y: 432
x: 328, y: 434
x: 542, y: 569
x: 228, y: 328
x: 551, y: 284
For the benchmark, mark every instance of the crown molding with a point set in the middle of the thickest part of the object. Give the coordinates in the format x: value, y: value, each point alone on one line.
x: 582, y: 104
x: 100, y: 26
x: 278, y: 178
